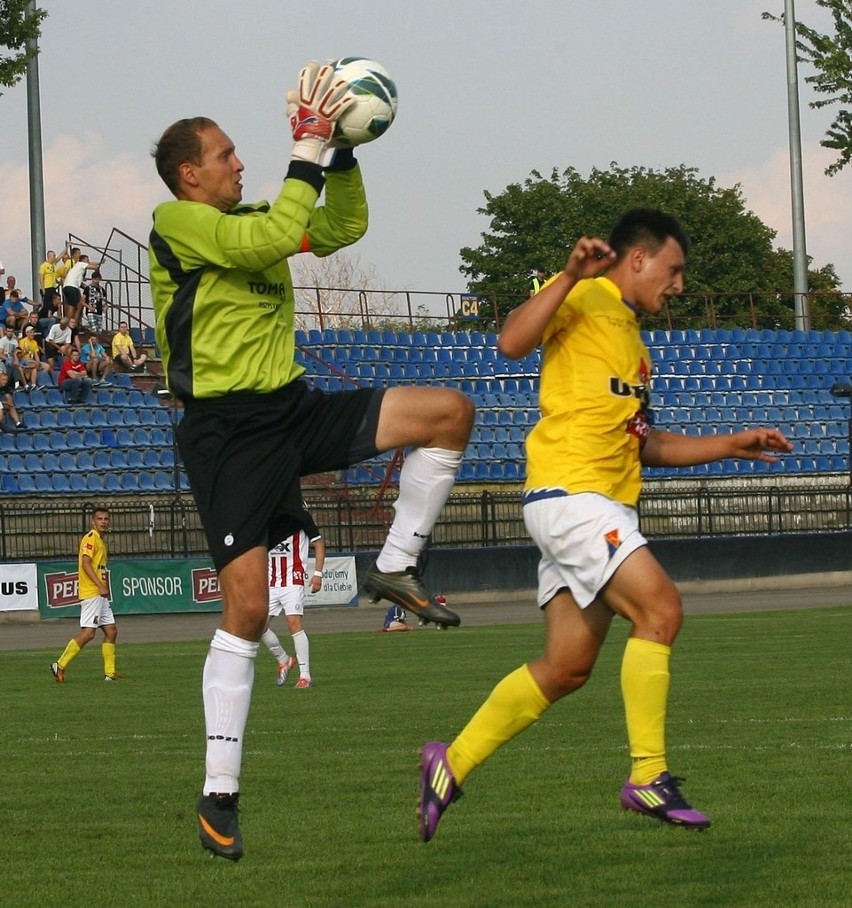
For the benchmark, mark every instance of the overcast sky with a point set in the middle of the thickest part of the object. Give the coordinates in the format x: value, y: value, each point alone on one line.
x: 490, y: 90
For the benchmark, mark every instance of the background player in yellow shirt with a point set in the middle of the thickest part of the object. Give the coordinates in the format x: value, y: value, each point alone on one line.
x: 584, y: 459
x: 95, y: 608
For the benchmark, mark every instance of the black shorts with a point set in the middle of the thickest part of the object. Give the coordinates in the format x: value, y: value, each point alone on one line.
x: 71, y: 296
x: 244, y: 455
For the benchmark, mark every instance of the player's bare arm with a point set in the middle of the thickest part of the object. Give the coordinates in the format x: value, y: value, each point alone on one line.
x: 669, y: 449
x: 525, y: 325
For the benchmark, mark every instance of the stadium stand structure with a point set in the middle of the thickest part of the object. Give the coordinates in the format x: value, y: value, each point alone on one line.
x: 705, y: 380
x: 120, y: 442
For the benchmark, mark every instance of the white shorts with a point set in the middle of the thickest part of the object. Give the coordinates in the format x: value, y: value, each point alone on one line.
x: 96, y: 612
x: 582, y: 538
x: 287, y: 599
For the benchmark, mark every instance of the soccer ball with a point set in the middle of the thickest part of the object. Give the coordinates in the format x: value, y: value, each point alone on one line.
x: 375, y: 101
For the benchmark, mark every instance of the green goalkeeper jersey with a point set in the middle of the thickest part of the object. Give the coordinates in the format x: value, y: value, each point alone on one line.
x: 221, y: 287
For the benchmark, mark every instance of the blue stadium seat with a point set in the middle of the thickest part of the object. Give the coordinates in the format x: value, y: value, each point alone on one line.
x: 112, y: 482
x: 101, y: 460
x: 146, y: 482
x: 134, y: 459
x: 124, y: 437
x: 122, y: 380
x: 95, y: 482
x: 163, y: 482
x: 65, y: 419
x: 25, y: 483
x: 50, y: 462
x: 85, y: 461
x: 60, y: 482
x: 67, y: 462
x: 118, y: 459
x: 91, y: 438
x: 9, y: 483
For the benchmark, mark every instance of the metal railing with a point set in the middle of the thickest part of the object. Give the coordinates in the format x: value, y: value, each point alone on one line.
x: 125, y: 273
x: 168, y: 526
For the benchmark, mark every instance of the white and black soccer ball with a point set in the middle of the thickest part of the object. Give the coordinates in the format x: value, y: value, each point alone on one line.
x: 374, y: 91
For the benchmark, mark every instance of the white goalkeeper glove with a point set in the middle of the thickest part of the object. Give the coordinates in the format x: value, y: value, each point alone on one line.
x: 313, y: 110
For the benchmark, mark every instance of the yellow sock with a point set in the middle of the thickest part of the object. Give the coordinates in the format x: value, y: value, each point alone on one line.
x: 645, y: 688
x: 70, y: 653
x: 108, y: 652
x: 514, y: 704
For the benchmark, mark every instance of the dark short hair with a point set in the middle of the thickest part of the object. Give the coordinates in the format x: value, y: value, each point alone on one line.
x: 648, y: 227
x: 180, y: 143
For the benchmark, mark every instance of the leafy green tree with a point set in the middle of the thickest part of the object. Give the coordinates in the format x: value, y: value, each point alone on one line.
x: 831, y: 57
x: 536, y: 223
x: 19, y: 25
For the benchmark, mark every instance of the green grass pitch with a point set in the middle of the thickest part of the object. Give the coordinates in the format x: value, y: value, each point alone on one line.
x: 101, y: 779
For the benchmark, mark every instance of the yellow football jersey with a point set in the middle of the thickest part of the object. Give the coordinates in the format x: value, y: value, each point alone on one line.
x: 93, y: 546
x: 595, y: 379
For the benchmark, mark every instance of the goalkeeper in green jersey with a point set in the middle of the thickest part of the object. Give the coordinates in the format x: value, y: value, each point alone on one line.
x: 224, y: 308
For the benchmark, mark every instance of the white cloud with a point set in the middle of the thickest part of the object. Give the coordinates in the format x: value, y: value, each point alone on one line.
x: 86, y: 193
x: 828, y: 201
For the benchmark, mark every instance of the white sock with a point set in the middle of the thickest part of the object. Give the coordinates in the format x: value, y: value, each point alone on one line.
x: 226, y: 688
x: 273, y: 644
x: 425, y: 483
x: 303, y: 653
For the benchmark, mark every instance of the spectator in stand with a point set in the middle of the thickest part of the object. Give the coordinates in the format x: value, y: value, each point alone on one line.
x: 95, y: 303
x: 38, y: 337
x: 72, y: 297
x: 124, y: 352
x: 47, y: 275
x: 74, y: 381
x: 7, y: 401
x: 12, y: 284
x: 48, y: 314
x: 73, y: 327
x: 57, y: 342
x: 33, y: 322
x: 30, y: 359
x: 8, y: 343
x: 13, y: 312
x: 94, y: 358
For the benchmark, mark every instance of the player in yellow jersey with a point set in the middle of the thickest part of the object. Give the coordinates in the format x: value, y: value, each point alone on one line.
x: 95, y: 608
x: 583, y: 480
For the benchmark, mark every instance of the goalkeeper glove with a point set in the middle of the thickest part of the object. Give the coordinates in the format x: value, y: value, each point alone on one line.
x: 313, y: 110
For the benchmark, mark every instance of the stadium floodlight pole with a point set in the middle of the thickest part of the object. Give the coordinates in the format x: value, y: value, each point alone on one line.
x: 37, y: 240
x: 844, y: 389
x: 800, y: 256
